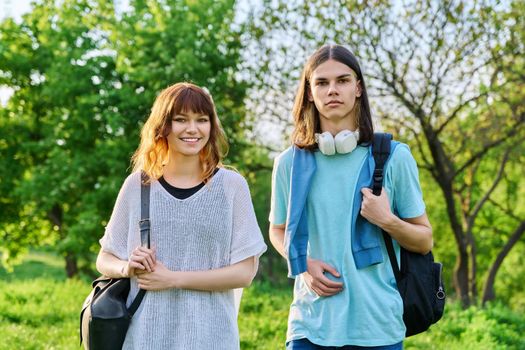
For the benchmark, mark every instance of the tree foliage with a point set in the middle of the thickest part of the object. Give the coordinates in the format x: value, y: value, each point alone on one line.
x: 84, y: 79
x: 444, y: 76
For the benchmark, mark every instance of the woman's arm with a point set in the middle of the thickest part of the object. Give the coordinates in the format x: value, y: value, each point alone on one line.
x: 414, y: 234
x: 238, y: 275
x: 141, y: 260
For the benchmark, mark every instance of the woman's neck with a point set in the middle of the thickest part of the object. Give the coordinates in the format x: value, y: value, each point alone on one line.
x: 183, y: 172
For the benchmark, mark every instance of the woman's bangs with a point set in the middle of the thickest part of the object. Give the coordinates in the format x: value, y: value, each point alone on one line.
x: 193, y: 100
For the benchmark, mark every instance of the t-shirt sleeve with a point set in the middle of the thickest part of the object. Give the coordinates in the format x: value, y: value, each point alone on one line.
x: 407, y: 195
x: 115, y: 239
x: 247, y: 239
x: 280, y: 190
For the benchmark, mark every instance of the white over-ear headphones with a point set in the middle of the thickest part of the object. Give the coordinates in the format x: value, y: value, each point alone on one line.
x: 344, y: 142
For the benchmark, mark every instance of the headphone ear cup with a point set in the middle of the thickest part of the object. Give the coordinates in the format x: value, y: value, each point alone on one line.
x: 345, y: 141
x: 326, y: 143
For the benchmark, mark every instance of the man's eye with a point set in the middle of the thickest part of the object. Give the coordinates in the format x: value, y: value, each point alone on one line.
x: 321, y: 83
x: 343, y: 81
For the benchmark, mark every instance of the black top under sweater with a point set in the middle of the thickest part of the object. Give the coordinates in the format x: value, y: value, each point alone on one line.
x: 181, y: 193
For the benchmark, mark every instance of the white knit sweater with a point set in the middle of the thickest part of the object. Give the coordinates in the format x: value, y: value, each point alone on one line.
x: 213, y: 228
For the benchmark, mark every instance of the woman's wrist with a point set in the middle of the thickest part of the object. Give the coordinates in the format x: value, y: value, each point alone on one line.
x: 175, y: 280
x: 124, y: 270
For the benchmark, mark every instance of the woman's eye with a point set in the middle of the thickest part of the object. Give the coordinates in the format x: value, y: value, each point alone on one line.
x: 179, y: 120
x: 321, y: 83
x: 203, y: 120
x: 343, y: 81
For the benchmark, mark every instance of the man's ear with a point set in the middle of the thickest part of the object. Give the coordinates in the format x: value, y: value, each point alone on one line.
x: 309, y: 93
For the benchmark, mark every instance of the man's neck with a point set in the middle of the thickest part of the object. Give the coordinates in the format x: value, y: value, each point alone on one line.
x: 338, y: 125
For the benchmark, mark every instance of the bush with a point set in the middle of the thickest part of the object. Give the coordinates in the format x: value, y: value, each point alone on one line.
x: 491, y: 328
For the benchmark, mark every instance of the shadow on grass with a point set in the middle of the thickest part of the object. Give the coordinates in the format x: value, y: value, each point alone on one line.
x: 36, y: 265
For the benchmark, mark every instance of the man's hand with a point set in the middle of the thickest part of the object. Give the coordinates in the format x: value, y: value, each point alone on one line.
x: 376, y: 209
x: 414, y: 234
x: 317, y: 281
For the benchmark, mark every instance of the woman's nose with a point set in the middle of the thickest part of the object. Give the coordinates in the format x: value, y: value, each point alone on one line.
x: 192, y: 126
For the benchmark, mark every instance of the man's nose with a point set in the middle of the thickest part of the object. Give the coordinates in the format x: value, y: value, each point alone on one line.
x: 332, y: 88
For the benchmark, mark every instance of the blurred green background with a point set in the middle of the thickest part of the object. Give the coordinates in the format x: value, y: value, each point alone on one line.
x: 78, y: 78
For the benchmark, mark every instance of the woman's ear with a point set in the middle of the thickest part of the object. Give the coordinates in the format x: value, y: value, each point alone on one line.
x: 358, y: 89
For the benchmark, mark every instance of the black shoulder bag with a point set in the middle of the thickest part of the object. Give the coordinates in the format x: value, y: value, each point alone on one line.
x: 104, y: 319
x: 419, y: 278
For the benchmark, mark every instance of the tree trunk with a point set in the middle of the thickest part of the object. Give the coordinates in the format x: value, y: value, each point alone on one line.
x: 444, y: 172
x: 55, y: 216
x: 71, y: 265
x: 461, y: 278
x: 488, y: 290
x: 473, y: 286
x: 461, y: 269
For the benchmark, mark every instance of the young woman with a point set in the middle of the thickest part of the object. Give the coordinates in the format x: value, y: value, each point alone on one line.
x: 204, y: 234
x: 325, y: 220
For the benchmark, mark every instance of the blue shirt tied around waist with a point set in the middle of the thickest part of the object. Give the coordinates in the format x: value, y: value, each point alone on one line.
x: 366, y: 247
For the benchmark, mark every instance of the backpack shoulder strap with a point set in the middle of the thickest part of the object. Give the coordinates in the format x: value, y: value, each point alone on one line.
x: 144, y: 227
x: 381, y: 152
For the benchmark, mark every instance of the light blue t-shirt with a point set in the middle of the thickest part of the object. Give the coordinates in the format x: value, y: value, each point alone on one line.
x: 369, y: 310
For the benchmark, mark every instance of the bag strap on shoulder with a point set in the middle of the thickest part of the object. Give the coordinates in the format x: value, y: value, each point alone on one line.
x: 144, y: 223
x: 145, y: 229
x: 381, y: 152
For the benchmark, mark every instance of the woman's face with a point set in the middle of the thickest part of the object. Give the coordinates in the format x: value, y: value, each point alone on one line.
x: 189, y: 133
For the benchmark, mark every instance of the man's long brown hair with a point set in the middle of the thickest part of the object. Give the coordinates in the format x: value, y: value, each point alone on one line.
x: 305, y: 114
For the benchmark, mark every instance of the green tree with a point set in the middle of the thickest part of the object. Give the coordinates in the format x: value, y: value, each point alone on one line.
x: 84, y: 79
x: 446, y: 77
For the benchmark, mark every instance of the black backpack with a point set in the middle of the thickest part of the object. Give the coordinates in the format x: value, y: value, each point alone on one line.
x: 419, y: 280
x: 105, y: 318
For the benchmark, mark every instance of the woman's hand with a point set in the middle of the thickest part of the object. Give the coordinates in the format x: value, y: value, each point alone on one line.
x: 316, y: 280
x: 376, y: 209
x: 160, y: 278
x: 141, y: 260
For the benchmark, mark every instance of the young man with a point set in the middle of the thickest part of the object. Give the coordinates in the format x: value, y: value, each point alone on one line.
x: 326, y: 222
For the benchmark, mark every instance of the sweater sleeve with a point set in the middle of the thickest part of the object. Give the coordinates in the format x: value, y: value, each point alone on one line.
x: 247, y: 239
x: 115, y: 239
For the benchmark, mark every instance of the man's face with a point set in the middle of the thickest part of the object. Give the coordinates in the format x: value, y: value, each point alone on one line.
x: 334, y: 89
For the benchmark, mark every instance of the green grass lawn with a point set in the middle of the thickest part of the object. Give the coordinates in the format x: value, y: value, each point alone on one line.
x: 39, y: 309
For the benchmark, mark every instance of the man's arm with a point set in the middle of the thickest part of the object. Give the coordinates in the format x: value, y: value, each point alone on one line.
x: 277, y: 238
x: 315, y: 275
x: 414, y: 234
